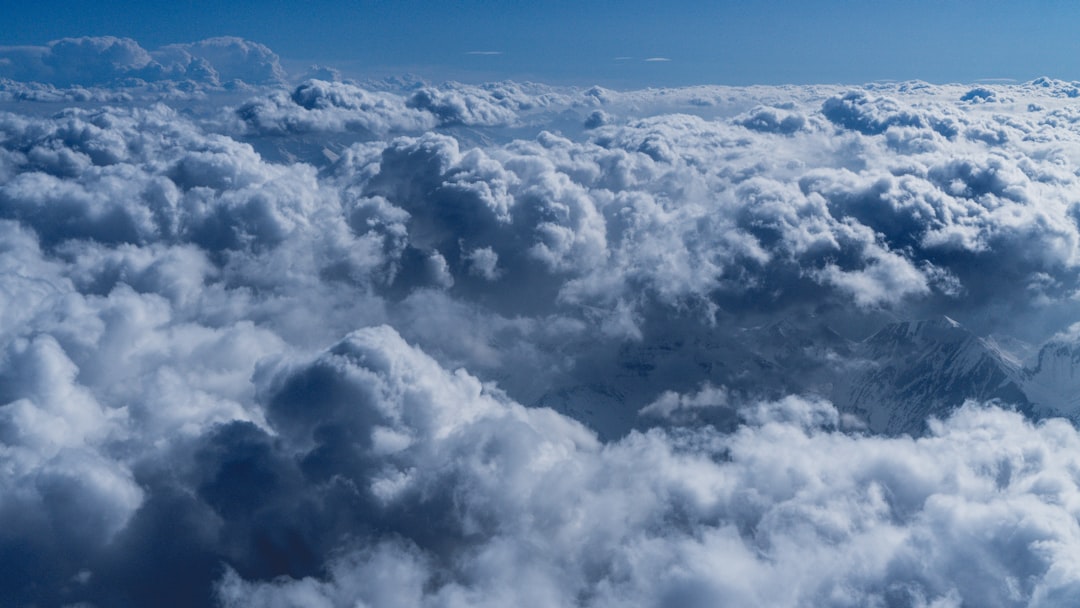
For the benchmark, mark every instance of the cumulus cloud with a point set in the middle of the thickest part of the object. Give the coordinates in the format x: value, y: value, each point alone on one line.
x: 772, y: 120
x: 318, y: 105
x: 492, y: 105
x: 108, y: 60
x: 532, y: 508
x: 404, y: 343
x: 781, y: 512
x: 77, y: 61
x: 223, y: 59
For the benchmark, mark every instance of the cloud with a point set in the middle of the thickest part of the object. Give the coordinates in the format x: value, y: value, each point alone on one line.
x: 454, y: 106
x: 227, y: 58
x: 275, y: 345
x: 317, y: 105
x: 530, y: 505
x: 334, y: 107
x: 671, y: 404
x: 772, y: 120
x: 541, y: 512
x: 797, y: 513
x: 77, y: 61
x: 107, y: 60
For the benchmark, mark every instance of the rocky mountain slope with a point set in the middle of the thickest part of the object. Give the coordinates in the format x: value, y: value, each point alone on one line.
x: 909, y: 371
x: 892, y: 382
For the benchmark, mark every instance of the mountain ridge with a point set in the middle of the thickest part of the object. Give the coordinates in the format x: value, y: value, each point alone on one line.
x: 894, y: 380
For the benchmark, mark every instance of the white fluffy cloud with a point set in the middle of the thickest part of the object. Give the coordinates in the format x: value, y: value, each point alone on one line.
x: 783, y: 512
x: 268, y: 344
x: 318, y: 105
x: 108, y: 60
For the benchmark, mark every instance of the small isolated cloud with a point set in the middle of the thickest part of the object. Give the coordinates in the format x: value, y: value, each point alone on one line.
x: 484, y: 53
x: 671, y: 404
x: 657, y: 59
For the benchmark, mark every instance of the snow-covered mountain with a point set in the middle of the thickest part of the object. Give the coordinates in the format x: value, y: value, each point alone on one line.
x: 910, y: 371
x: 892, y: 381
x: 1053, y: 381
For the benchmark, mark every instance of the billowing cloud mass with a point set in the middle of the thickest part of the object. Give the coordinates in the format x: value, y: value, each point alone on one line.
x: 322, y: 342
x: 108, y: 60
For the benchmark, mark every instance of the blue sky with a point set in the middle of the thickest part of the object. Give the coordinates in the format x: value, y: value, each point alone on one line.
x: 770, y: 42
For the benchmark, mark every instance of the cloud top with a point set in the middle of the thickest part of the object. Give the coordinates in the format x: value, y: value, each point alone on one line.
x: 404, y: 343
x: 107, y: 60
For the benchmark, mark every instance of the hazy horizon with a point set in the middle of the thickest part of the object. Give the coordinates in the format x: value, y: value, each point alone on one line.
x: 607, y: 43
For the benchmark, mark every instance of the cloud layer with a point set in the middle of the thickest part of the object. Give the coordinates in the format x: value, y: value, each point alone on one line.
x: 401, y: 343
x: 780, y: 513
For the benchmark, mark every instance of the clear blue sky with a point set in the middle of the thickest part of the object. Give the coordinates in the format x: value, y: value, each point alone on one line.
x: 768, y: 42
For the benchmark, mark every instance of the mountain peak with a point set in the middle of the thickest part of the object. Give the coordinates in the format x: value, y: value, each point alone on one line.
x: 937, y: 322
x: 937, y: 329
x: 918, y: 369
